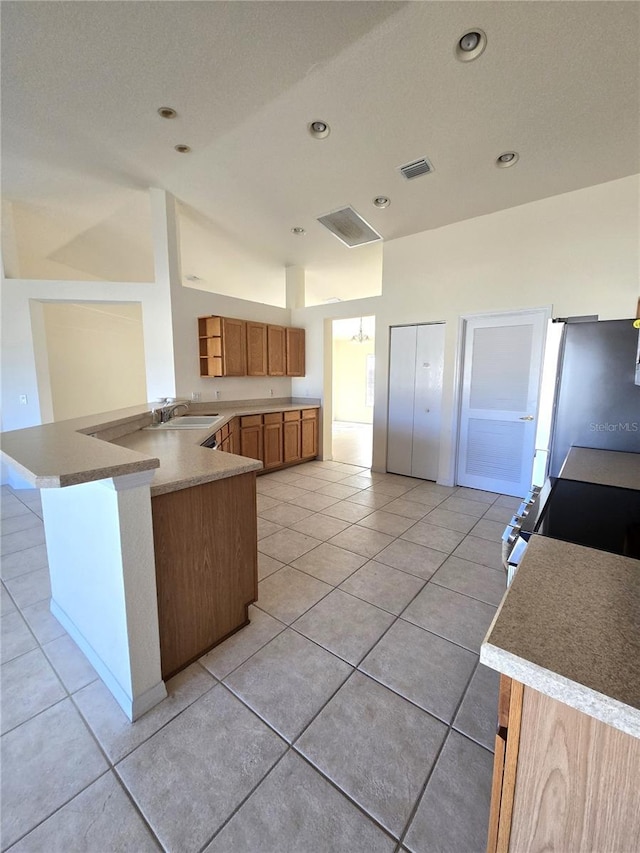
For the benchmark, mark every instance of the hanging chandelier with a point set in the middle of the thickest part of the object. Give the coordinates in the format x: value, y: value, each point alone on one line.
x: 360, y: 338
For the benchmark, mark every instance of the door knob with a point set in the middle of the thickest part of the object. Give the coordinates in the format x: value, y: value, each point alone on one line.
x: 527, y: 418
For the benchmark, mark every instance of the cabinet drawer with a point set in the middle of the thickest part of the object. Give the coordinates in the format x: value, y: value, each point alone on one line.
x: 251, y: 420
x: 309, y: 413
x: 273, y: 418
x: 225, y: 431
x: 292, y: 416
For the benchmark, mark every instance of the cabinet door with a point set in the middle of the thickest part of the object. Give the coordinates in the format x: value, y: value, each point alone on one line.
x: 309, y: 437
x: 295, y: 346
x: 504, y: 764
x: 272, y: 445
x: 234, y: 437
x: 251, y: 442
x: 276, y: 344
x: 256, y: 349
x: 234, y: 356
x: 291, y: 441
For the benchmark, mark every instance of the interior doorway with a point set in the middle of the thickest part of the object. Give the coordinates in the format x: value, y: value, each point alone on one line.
x: 353, y: 382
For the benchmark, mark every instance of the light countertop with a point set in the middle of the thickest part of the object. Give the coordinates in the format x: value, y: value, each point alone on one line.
x: 569, y: 626
x: 67, y: 453
x: 183, y: 461
x: 605, y: 467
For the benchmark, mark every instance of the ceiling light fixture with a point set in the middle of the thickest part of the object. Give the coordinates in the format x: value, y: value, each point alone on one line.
x: 182, y: 149
x: 382, y: 201
x: 319, y: 129
x: 470, y: 45
x: 509, y: 158
x: 298, y: 231
x: 167, y: 112
x: 360, y: 338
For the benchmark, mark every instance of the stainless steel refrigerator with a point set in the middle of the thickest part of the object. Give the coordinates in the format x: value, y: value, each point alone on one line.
x: 597, y: 401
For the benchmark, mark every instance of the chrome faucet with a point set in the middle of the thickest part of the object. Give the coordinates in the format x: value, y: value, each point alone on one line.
x: 167, y: 412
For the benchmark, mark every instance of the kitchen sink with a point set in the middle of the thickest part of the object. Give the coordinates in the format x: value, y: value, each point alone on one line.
x: 190, y: 422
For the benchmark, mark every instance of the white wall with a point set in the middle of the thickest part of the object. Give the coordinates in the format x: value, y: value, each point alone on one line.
x: 224, y: 266
x: 350, y: 380
x: 80, y: 245
x: 357, y: 276
x: 23, y: 355
x: 95, y: 357
x: 577, y: 252
x: 191, y: 304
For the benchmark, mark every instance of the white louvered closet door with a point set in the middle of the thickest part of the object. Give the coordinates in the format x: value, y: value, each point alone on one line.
x: 501, y: 379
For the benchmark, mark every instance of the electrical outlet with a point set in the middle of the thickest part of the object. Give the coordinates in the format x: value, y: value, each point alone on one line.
x: 23, y: 399
x: 271, y: 392
x: 195, y: 396
x: 217, y: 395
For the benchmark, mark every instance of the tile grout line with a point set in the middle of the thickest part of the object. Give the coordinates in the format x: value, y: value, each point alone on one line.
x: 290, y: 747
x: 418, y: 801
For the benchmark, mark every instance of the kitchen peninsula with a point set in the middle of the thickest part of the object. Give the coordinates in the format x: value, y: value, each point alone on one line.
x: 151, y: 539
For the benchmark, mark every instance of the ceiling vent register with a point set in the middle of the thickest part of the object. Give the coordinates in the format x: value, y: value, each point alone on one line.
x: 349, y: 227
x: 417, y: 168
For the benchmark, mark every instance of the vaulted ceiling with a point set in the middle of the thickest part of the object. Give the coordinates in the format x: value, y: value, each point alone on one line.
x: 558, y: 82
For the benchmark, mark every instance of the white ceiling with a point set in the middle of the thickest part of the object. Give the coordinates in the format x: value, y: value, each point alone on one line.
x: 81, y: 82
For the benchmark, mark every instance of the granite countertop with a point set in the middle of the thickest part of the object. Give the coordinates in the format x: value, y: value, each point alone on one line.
x: 605, y: 467
x: 69, y: 452
x: 569, y: 626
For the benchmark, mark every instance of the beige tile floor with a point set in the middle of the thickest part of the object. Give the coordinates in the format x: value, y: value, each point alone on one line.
x: 350, y: 715
x: 352, y: 443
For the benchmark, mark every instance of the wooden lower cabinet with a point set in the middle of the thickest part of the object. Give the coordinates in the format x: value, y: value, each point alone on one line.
x: 251, y: 443
x: 309, y: 434
x: 205, y: 540
x: 272, y: 440
x: 277, y: 439
x: 291, y: 441
x: 562, y: 780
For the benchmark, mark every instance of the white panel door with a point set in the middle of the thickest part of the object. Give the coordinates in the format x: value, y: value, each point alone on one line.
x: 427, y: 401
x: 402, y: 371
x: 501, y: 380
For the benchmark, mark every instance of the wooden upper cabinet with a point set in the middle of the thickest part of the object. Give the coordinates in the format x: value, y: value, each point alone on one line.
x: 234, y: 347
x: 295, y: 347
x: 276, y: 349
x: 222, y: 346
x: 231, y: 347
x: 256, y: 349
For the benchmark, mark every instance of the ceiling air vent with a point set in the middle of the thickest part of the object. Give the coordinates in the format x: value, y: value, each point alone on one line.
x: 417, y: 168
x: 349, y: 227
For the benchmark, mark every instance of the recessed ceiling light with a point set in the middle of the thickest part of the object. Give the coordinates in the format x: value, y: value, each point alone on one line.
x: 319, y: 129
x: 167, y: 112
x: 470, y: 45
x: 298, y: 231
x: 509, y: 158
x: 182, y: 149
x: 382, y: 201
